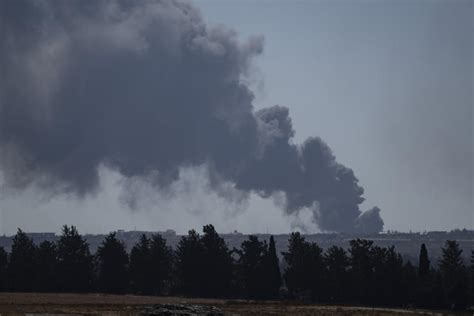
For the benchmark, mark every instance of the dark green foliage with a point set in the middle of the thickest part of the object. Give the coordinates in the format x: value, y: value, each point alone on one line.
x: 217, y: 264
x: 190, y: 255
x: 251, y: 265
x: 471, y: 280
x: 424, y: 264
x: 361, y: 270
x: 305, y: 268
x: 74, y: 266
x: 259, y: 269
x: 3, y: 269
x: 409, y: 285
x: 376, y: 274
x: 272, y: 272
x: 203, y: 266
x: 454, y: 276
x: 46, y: 260
x: 393, y: 291
x: 22, y: 266
x: 140, y: 267
x: 112, y: 265
x: 337, y: 278
x: 426, y: 280
x: 161, y: 259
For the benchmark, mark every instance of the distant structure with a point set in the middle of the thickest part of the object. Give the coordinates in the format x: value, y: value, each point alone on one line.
x: 408, y: 244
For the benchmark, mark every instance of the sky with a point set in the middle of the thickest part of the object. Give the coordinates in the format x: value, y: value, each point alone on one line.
x: 388, y: 85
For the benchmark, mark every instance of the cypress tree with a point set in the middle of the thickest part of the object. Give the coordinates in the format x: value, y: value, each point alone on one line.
x: 424, y: 264
x: 272, y: 271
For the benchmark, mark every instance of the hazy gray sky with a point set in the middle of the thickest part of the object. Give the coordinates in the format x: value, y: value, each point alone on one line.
x: 387, y: 84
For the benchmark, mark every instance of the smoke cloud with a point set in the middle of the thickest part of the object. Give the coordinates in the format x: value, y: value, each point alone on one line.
x: 146, y: 88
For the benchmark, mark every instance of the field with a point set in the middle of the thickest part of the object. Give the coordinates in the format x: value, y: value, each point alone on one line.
x: 129, y: 305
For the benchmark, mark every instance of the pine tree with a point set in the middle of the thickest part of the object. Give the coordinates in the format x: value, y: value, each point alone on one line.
x: 46, y: 260
x: 140, y: 267
x: 252, y: 271
x: 22, y: 266
x: 471, y: 275
x: 3, y: 269
x: 378, y: 291
x: 161, y: 260
x: 394, y: 278
x: 409, y: 284
x: 453, y: 275
x: 190, y: 263
x: 217, y: 264
x: 112, y: 265
x: 296, y: 274
x: 74, y: 266
x: 305, y: 268
x: 336, y: 262
x: 361, y: 270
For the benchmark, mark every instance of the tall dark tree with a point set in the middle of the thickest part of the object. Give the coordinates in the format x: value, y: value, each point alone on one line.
x: 394, y: 292
x: 361, y: 270
x: 337, y: 262
x: 3, y: 269
x: 112, y: 265
x: 140, y: 267
x: 426, y: 282
x: 46, y: 260
x: 252, y: 254
x: 271, y: 268
x: 161, y: 260
x: 217, y: 264
x: 305, y: 268
x: 296, y: 272
x: 379, y: 286
x: 189, y: 264
x: 453, y: 275
x: 22, y: 266
x: 424, y: 264
x: 409, y: 284
x: 471, y: 279
x: 74, y: 266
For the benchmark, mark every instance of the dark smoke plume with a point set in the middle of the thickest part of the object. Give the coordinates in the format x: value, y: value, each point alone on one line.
x: 145, y: 87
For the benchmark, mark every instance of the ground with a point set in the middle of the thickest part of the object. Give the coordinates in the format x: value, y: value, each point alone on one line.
x: 101, y: 304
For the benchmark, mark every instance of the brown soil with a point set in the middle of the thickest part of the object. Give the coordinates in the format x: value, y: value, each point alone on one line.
x: 102, y: 304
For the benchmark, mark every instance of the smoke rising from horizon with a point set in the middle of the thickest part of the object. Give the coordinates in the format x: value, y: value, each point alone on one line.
x: 146, y: 88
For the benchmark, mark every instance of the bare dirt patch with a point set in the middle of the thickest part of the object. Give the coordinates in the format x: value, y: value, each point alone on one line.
x: 130, y: 305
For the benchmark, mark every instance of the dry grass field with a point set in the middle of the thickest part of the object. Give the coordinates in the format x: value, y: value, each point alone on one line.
x: 129, y: 305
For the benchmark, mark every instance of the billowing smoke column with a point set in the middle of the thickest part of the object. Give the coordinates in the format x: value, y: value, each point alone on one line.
x: 145, y: 87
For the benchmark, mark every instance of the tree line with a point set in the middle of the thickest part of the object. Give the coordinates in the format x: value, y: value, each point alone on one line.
x: 202, y: 265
